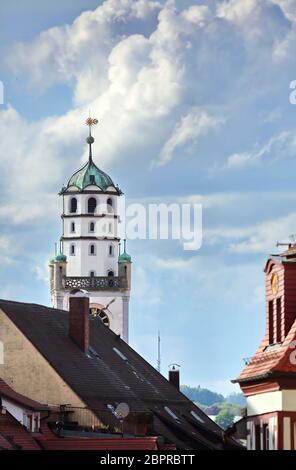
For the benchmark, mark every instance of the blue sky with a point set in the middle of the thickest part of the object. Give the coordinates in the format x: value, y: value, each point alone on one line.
x: 193, y: 99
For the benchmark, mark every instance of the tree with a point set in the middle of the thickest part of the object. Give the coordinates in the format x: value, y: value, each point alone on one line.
x: 225, y: 418
x: 202, y: 395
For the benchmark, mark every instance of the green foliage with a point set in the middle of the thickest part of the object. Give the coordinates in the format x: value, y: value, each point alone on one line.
x: 225, y: 418
x: 201, y: 395
x: 225, y: 409
x: 205, y: 397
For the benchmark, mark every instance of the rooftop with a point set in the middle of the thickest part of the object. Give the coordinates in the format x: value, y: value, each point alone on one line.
x: 103, y: 378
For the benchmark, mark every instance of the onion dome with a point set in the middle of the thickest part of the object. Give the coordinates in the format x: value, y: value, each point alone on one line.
x: 59, y: 258
x: 90, y: 174
x: 124, y: 257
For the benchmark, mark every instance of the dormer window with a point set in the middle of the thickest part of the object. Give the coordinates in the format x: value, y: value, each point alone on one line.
x: 92, y: 179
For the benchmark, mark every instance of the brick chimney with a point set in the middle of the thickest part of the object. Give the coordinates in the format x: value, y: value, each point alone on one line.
x: 174, y: 375
x: 79, y: 319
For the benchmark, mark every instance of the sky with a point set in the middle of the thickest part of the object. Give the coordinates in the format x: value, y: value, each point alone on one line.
x: 193, y: 103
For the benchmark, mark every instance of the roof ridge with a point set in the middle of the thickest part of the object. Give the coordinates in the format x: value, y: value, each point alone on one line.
x: 31, y: 304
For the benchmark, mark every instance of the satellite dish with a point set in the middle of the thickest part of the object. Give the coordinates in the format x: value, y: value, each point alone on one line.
x: 122, y: 410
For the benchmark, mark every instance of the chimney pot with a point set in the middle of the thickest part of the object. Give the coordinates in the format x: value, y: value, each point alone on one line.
x: 79, y: 320
x: 174, y: 375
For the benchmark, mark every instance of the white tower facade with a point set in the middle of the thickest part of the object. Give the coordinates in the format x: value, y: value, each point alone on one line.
x: 90, y: 257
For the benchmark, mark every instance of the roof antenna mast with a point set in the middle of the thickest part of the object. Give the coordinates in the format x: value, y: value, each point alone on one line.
x: 158, y: 353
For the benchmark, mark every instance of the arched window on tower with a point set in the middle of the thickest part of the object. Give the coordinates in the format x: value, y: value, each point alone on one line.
x: 72, y: 226
x: 91, y: 205
x: 92, y: 227
x: 92, y: 250
x: 110, y: 281
x: 72, y: 250
x: 92, y: 274
x: 73, y: 205
x: 109, y: 205
x: 111, y: 250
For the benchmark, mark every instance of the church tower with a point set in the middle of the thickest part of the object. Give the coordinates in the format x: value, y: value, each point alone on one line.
x: 268, y: 380
x: 90, y: 257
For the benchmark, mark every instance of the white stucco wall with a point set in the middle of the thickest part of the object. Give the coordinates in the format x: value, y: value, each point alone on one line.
x: 82, y: 263
x: 281, y: 400
x: 20, y: 413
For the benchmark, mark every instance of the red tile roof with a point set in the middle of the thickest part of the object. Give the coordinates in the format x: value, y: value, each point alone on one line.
x: 4, y: 444
x: 12, y: 431
x: 272, y: 360
x: 76, y: 443
x: 7, y: 392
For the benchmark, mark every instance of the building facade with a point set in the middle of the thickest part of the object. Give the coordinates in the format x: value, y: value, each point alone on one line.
x: 269, y: 379
x: 90, y: 256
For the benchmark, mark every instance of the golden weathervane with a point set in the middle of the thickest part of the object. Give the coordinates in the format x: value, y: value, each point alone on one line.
x: 91, y: 122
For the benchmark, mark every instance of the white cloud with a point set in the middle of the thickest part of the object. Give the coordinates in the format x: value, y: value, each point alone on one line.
x: 146, y: 291
x: 42, y: 272
x: 288, y: 8
x: 195, y: 124
x: 176, y: 264
x: 262, y: 238
x: 198, y: 14
x: 9, y: 248
x: 281, y: 145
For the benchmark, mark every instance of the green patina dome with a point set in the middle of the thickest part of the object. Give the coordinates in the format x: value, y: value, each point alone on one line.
x: 124, y: 258
x: 60, y: 257
x: 88, y: 175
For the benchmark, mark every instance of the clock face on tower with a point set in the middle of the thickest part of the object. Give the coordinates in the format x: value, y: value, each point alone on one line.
x: 274, y: 283
x: 97, y: 312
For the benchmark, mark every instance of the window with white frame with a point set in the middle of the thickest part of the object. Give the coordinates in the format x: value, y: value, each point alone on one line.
x: 72, y: 250
x: 91, y: 226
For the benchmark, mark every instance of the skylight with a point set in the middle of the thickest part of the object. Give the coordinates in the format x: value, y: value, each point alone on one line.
x: 198, y: 418
x: 171, y: 413
x: 119, y: 353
